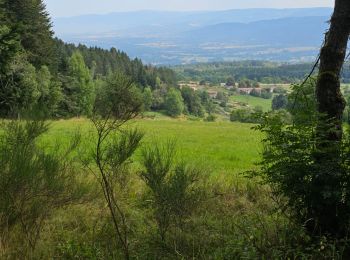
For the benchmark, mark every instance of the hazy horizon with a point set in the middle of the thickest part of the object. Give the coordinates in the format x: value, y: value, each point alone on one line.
x: 85, y: 7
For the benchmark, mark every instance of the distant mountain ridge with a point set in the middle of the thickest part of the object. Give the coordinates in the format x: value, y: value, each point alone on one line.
x: 286, y: 31
x: 185, y: 37
x: 122, y: 20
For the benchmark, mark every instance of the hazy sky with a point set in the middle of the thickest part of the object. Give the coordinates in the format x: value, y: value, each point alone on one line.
x: 59, y: 8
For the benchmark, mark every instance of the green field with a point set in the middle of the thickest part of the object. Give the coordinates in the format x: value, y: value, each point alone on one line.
x: 222, y: 147
x: 253, y: 101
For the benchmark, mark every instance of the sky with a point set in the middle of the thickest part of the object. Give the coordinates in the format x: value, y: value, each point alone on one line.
x: 61, y: 8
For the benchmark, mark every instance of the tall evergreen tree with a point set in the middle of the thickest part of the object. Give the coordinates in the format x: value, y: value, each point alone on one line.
x: 9, y: 47
x: 9, y: 40
x: 33, y: 24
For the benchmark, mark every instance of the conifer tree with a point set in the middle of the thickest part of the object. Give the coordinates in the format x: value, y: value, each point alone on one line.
x: 9, y: 41
x: 34, y: 27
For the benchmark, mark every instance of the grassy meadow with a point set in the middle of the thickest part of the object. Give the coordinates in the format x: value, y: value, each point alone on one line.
x: 223, y: 147
x: 222, y: 150
x: 222, y: 215
x: 253, y: 102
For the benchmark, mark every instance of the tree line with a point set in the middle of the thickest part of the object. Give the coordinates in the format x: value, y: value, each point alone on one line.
x: 42, y: 73
x: 245, y: 71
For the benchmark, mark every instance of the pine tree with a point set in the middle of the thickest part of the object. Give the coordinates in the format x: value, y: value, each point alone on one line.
x: 9, y: 41
x: 33, y: 24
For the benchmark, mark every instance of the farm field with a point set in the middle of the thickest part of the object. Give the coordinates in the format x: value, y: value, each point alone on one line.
x: 253, y: 101
x: 223, y: 147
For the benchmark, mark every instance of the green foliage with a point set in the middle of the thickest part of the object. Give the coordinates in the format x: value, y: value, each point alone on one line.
x: 33, y: 26
x: 33, y: 183
x: 19, y: 91
x: 192, y: 101
x: 158, y: 97
x: 50, y: 92
x: 9, y: 47
x: 255, y: 93
x: 280, y: 90
x: 103, y: 62
x: 279, y: 102
x: 147, y: 99
x: 317, y: 190
x: 246, y: 72
x: 202, y: 83
x: 116, y: 104
x: 82, y: 83
x: 246, y: 115
x: 119, y: 98
x: 174, y: 104
x: 266, y: 94
x: 302, y: 102
x: 27, y: 46
x: 210, y: 118
x: 252, y: 102
x: 173, y: 187
x: 230, y: 81
x: 221, y: 96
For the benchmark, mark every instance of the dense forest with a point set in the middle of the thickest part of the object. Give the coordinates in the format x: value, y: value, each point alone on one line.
x: 43, y: 73
x: 61, y: 80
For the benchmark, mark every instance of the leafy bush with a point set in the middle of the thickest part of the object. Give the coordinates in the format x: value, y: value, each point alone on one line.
x: 245, y: 115
x: 280, y: 90
x: 211, y: 118
x: 314, y: 182
x: 266, y: 94
x: 279, y: 102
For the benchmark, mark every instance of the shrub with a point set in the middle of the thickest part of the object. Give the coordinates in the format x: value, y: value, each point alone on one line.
x: 317, y: 190
x: 266, y: 94
x: 33, y: 183
x: 211, y: 118
x: 113, y: 149
x: 173, y: 186
x: 245, y: 115
x: 280, y: 90
x: 279, y: 102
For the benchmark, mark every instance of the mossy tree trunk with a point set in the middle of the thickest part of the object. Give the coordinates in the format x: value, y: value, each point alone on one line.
x: 331, y: 103
x: 328, y: 210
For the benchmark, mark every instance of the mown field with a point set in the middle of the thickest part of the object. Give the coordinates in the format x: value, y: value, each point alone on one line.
x: 223, y: 147
x: 253, y: 102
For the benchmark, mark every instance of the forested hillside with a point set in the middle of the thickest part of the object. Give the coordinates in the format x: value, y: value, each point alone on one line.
x: 59, y: 79
x: 261, y: 71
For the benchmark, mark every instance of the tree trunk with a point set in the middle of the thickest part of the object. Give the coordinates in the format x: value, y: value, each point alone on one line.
x: 329, y: 213
x: 330, y: 101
